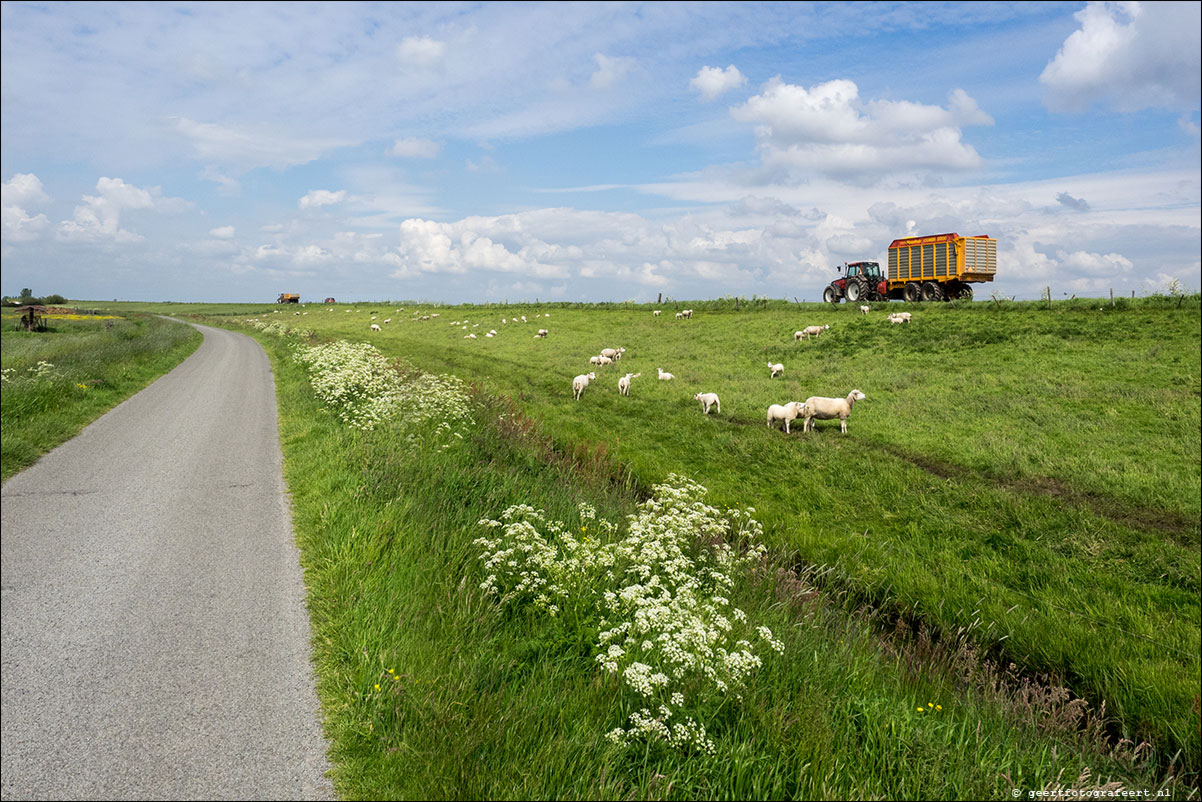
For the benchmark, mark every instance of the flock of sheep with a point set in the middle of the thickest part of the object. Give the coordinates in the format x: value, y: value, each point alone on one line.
x: 813, y: 408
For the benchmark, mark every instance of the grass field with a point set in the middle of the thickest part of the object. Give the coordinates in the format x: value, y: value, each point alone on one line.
x: 1020, y: 483
x: 58, y: 381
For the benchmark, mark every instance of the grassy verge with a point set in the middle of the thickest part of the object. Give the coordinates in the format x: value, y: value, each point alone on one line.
x: 433, y: 689
x: 58, y: 381
x: 1025, y: 476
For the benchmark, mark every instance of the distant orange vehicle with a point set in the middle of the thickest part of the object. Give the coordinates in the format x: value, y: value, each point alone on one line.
x: 288, y: 298
x: 939, y: 268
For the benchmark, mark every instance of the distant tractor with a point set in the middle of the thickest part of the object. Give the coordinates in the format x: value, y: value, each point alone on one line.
x: 939, y: 268
x: 330, y: 301
x: 288, y: 298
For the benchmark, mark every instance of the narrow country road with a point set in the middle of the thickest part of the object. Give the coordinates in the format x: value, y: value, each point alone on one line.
x: 155, y: 639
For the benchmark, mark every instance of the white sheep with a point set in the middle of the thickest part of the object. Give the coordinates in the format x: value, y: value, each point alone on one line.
x: 624, y: 382
x: 797, y: 335
x: 777, y: 369
x: 680, y: 315
x: 708, y: 400
x: 828, y: 408
x: 900, y: 317
x: 688, y: 313
x: 600, y: 360
x: 814, y: 331
x: 865, y: 310
x: 894, y: 320
x: 523, y: 318
x: 374, y: 327
x: 665, y: 377
x: 656, y: 313
x: 613, y: 353
x: 580, y: 382
x: 541, y: 333
x: 786, y: 412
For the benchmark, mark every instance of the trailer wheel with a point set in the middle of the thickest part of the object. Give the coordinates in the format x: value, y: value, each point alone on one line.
x: 932, y: 291
x: 965, y: 293
x: 912, y: 293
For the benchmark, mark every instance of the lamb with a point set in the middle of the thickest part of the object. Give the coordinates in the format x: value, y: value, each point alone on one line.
x: 679, y: 315
x: 542, y: 333
x: 665, y: 377
x: 387, y: 320
x: 624, y: 382
x: 894, y: 320
x: 687, y: 313
x: 656, y: 313
x: 708, y: 400
x: 827, y: 408
x: 580, y: 382
x: 600, y: 360
x: 865, y: 310
x: 374, y: 327
x: 797, y: 335
x: 814, y: 331
x: 613, y: 353
x: 900, y: 317
x: 776, y: 369
x: 787, y: 412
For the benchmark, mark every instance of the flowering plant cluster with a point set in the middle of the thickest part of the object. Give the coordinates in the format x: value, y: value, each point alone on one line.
x: 42, y: 370
x: 278, y: 328
x: 668, y: 629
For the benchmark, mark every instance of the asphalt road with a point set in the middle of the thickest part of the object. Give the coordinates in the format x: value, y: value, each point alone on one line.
x: 155, y: 639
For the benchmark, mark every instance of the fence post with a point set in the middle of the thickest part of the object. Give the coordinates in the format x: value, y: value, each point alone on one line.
x: 1049, y: 289
x: 1112, y: 297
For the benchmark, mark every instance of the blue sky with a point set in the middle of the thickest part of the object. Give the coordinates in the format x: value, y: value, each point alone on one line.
x: 596, y: 151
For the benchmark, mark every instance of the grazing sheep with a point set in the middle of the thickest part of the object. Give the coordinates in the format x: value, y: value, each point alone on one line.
x: 687, y: 313
x: 609, y: 352
x: 865, y: 310
x: 580, y: 382
x: 624, y: 382
x: 776, y: 369
x: 787, y: 412
x: 600, y: 360
x: 656, y: 313
x: 374, y: 327
x: 893, y: 320
x: 900, y: 317
x: 680, y: 315
x: 665, y: 377
x: 542, y: 333
x: 828, y: 408
x: 708, y: 400
x: 814, y: 331
x: 797, y: 335
x: 523, y: 318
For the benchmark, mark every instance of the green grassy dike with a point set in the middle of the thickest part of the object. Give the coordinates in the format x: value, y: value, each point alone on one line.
x: 92, y: 367
x: 476, y: 701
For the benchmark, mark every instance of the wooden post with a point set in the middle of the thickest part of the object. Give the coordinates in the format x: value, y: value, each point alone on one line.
x: 1133, y: 295
x: 1112, y: 297
x: 1049, y: 289
x: 659, y: 299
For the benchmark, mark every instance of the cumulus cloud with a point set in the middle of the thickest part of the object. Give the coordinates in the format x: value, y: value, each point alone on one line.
x: 609, y: 70
x: 713, y: 81
x: 18, y: 194
x: 828, y: 129
x: 316, y: 198
x: 1130, y: 56
x: 416, y: 148
x: 1076, y: 204
x: 98, y: 217
x: 222, y: 232
x: 1084, y: 263
x: 420, y: 51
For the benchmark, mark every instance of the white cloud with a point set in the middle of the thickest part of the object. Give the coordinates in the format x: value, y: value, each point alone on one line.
x: 1076, y: 204
x: 245, y: 147
x: 713, y: 81
x: 222, y: 232
x: 420, y: 51
x: 316, y: 198
x: 828, y: 129
x: 609, y: 70
x: 1094, y: 265
x: 19, y: 192
x: 98, y: 218
x: 1129, y: 55
x: 415, y: 148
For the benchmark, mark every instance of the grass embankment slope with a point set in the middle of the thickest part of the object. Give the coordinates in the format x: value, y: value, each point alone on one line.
x: 1020, y: 482
x: 60, y: 380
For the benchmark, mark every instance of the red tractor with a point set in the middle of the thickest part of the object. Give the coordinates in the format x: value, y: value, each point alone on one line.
x: 862, y: 281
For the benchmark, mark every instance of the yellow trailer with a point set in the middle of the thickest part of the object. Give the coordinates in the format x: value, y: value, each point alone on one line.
x: 941, y: 267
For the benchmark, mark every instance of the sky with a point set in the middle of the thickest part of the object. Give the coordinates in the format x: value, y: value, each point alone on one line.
x: 477, y: 152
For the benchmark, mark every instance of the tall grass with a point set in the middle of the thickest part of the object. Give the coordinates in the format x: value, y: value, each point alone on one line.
x: 1028, y: 478
x: 88, y: 367
x: 433, y: 689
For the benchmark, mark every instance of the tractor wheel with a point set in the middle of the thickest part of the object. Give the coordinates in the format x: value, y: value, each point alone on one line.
x: 855, y: 290
x: 965, y: 293
x: 912, y: 293
x: 932, y: 291
x: 830, y: 295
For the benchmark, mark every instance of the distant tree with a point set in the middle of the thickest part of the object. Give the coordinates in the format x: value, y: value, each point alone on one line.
x: 26, y: 296
x: 55, y: 299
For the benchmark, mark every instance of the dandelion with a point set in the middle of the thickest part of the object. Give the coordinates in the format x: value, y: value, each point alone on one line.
x: 377, y: 686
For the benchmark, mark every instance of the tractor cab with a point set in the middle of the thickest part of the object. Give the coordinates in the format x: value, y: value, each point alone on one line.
x: 860, y: 281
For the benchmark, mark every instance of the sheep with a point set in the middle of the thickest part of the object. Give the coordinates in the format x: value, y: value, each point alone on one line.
x: 687, y: 313
x: 827, y: 408
x: 665, y: 377
x: 797, y: 335
x: 680, y: 315
x: 708, y: 400
x: 865, y: 310
x: 600, y: 360
x: 542, y: 333
x: 893, y: 320
x: 656, y: 313
x: 580, y: 382
x: 374, y: 327
x: 613, y: 353
x: 776, y: 369
x: 814, y: 331
x: 787, y: 412
x: 387, y: 320
x: 624, y: 382
x: 523, y: 318
x: 900, y: 317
